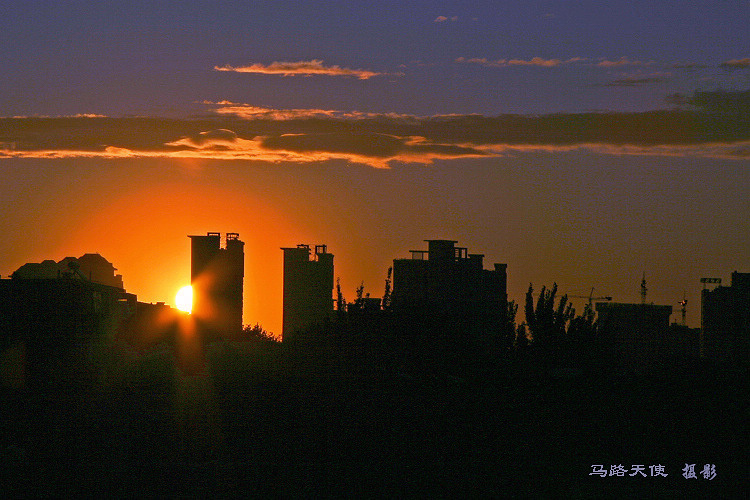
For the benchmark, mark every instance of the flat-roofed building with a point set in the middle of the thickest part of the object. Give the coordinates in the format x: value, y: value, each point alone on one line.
x: 446, y: 280
x: 308, y: 287
x: 217, y: 276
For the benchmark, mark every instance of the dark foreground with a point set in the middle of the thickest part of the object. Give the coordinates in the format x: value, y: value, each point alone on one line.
x: 257, y: 425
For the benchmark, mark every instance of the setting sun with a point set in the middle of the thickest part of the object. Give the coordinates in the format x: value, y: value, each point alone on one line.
x: 184, y: 299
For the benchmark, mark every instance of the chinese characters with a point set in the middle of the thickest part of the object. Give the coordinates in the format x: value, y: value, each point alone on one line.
x: 708, y: 471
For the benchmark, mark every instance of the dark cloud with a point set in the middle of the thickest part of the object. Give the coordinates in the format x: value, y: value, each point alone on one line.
x: 367, y: 144
x: 378, y: 140
x: 715, y: 102
x: 722, y: 101
x: 676, y: 99
x: 212, y: 136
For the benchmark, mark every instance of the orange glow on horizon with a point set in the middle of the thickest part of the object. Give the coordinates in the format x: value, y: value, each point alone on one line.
x: 144, y: 233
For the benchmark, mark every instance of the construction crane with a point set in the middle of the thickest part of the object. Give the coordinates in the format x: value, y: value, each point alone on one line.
x: 591, y: 297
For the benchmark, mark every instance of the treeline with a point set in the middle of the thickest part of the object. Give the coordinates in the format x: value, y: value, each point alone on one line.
x: 443, y: 340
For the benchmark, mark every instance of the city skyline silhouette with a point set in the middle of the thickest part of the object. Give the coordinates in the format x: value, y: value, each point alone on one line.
x: 151, y: 386
x: 375, y: 288
x: 435, y: 249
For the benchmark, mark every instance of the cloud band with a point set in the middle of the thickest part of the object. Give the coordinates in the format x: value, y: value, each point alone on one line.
x: 379, y: 140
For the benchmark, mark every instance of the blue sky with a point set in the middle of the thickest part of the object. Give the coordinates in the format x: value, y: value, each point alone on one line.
x: 119, y: 58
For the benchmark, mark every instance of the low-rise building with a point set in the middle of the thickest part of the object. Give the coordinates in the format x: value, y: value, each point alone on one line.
x: 636, y: 334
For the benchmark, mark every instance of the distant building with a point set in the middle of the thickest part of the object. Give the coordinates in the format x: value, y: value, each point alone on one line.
x: 447, y: 280
x: 52, y: 314
x: 98, y: 269
x: 91, y: 267
x: 635, y: 333
x: 216, y: 275
x: 47, y: 269
x: 725, y: 320
x: 308, y: 287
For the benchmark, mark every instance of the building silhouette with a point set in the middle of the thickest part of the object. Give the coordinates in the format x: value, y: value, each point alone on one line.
x: 308, y: 287
x: 216, y: 275
x: 446, y: 280
x: 635, y: 334
x: 52, y: 314
x: 725, y: 320
x: 91, y: 267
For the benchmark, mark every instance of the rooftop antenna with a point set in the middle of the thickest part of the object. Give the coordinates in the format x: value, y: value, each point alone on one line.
x: 643, y: 288
x: 683, y: 303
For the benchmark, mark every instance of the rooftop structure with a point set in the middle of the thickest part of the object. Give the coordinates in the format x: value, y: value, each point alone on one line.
x: 308, y: 287
x: 446, y: 279
x: 90, y: 267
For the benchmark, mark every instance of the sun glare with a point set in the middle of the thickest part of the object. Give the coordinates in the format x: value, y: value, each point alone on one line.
x: 184, y: 299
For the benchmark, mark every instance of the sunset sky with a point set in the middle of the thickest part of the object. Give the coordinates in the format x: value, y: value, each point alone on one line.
x: 582, y: 142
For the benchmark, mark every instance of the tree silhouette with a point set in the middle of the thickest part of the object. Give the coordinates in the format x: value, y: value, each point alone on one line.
x: 387, y: 293
x: 340, y: 301
x: 508, y: 327
x: 548, y: 323
x: 583, y: 328
x: 258, y: 333
x: 359, y: 300
x: 521, y: 337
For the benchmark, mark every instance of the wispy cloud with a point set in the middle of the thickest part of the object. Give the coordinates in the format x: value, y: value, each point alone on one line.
x: 623, y: 61
x: 736, y: 63
x: 638, y: 80
x: 727, y: 151
x: 442, y: 19
x: 688, y: 65
x: 77, y: 115
x: 534, y: 61
x: 250, y: 112
x: 380, y: 140
x: 300, y: 68
x: 550, y: 63
x: 601, y: 62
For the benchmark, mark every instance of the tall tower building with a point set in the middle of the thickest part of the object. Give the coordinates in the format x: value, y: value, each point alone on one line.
x: 725, y: 321
x: 308, y: 287
x: 216, y: 275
